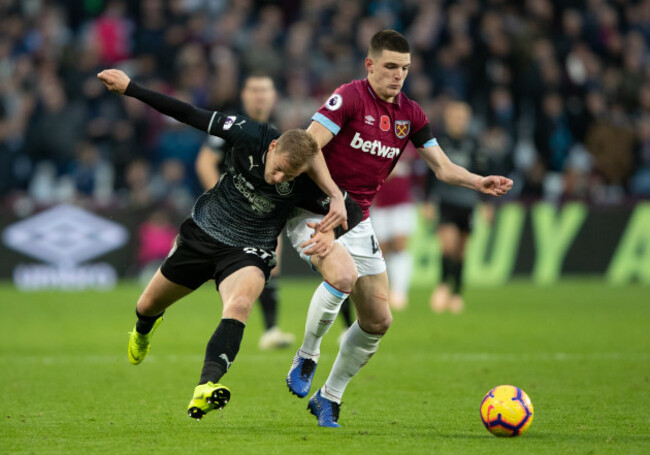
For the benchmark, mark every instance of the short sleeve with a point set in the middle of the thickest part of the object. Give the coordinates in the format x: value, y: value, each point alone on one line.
x: 338, y: 109
x: 422, y: 135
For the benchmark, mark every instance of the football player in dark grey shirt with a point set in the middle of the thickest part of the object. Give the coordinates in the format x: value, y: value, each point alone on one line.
x: 232, y: 233
x: 258, y: 96
x: 455, y: 206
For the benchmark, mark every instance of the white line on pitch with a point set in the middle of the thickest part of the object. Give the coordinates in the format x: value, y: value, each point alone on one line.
x: 468, y: 357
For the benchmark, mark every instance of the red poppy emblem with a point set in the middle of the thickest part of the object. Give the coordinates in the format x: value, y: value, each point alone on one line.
x: 384, y: 123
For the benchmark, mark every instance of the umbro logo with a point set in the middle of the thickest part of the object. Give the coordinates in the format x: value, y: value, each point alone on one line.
x: 370, y: 120
x: 65, y: 235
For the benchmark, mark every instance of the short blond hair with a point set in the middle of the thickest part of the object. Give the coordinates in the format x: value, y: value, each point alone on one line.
x: 299, y: 146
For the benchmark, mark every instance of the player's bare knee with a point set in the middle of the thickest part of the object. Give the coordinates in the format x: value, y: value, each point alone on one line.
x: 147, y: 305
x: 377, y: 326
x: 237, y: 307
x: 341, y: 277
x: 346, y: 279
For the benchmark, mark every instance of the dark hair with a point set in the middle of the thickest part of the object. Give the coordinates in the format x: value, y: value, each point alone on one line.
x: 257, y: 74
x: 389, y: 40
x: 299, y: 146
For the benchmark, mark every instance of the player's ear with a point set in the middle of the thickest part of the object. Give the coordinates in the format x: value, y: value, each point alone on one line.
x: 369, y: 64
x: 273, y: 145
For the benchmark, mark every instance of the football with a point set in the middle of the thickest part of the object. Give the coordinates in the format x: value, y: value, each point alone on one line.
x: 506, y: 410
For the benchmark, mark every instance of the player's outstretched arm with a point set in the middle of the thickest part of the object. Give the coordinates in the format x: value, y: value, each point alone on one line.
x: 319, y: 173
x: 117, y: 81
x: 452, y: 174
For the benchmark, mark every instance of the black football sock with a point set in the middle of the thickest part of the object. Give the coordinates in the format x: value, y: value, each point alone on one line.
x: 222, y: 349
x: 447, y: 269
x: 457, y: 276
x: 346, y: 312
x: 269, y: 303
x: 144, y: 324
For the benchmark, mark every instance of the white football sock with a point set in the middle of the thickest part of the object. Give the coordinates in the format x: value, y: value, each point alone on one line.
x: 324, y: 307
x: 399, y: 267
x: 357, y: 348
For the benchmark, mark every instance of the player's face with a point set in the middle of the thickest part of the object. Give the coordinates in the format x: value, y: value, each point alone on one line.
x: 277, y: 168
x: 387, y: 72
x: 258, y: 98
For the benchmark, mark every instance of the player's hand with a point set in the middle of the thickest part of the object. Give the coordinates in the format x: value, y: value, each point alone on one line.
x: 114, y: 80
x: 494, y: 185
x: 320, y: 243
x: 337, y: 215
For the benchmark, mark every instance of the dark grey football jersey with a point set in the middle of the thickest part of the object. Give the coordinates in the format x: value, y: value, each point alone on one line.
x: 242, y: 209
x: 463, y: 152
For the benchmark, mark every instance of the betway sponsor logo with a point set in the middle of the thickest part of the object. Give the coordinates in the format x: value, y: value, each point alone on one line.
x: 374, y: 147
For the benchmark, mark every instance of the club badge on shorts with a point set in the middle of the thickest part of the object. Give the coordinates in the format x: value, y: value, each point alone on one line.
x: 402, y: 128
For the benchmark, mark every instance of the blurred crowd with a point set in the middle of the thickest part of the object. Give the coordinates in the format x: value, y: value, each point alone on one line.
x: 559, y: 89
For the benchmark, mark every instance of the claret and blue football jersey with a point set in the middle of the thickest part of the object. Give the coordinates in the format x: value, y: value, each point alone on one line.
x: 370, y: 135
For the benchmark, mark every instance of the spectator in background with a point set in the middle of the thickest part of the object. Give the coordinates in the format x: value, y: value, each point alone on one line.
x: 553, y: 140
x: 610, y: 141
x: 55, y: 126
x: 578, y: 50
x: 155, y: 239
x: 178, y: 143
x: 111, y: 33
x: 640, y: 182
x: 92, y: 175
x: 137, y: 192
x: 169, y: 186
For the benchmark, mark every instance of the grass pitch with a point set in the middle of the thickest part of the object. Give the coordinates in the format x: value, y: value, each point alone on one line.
x: 581, y: 351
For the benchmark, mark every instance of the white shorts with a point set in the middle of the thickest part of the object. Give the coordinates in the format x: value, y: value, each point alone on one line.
x: 395, y: 221
x: 360, y: 242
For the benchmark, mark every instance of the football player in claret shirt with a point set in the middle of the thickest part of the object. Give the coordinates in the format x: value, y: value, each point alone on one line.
x: 232, y: 232
x: 362, y: 130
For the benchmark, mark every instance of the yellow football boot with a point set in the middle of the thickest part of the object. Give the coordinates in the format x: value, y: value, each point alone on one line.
x: 207, y: 397
x: 139, y: 345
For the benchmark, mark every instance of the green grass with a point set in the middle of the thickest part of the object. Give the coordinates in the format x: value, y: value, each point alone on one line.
x: 580, y: 350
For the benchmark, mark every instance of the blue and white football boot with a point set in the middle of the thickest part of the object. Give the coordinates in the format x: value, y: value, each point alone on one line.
x: 326, y: 411
x: 301, y: 375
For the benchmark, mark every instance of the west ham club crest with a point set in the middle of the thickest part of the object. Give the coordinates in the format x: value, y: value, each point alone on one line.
x: 402, y: 128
